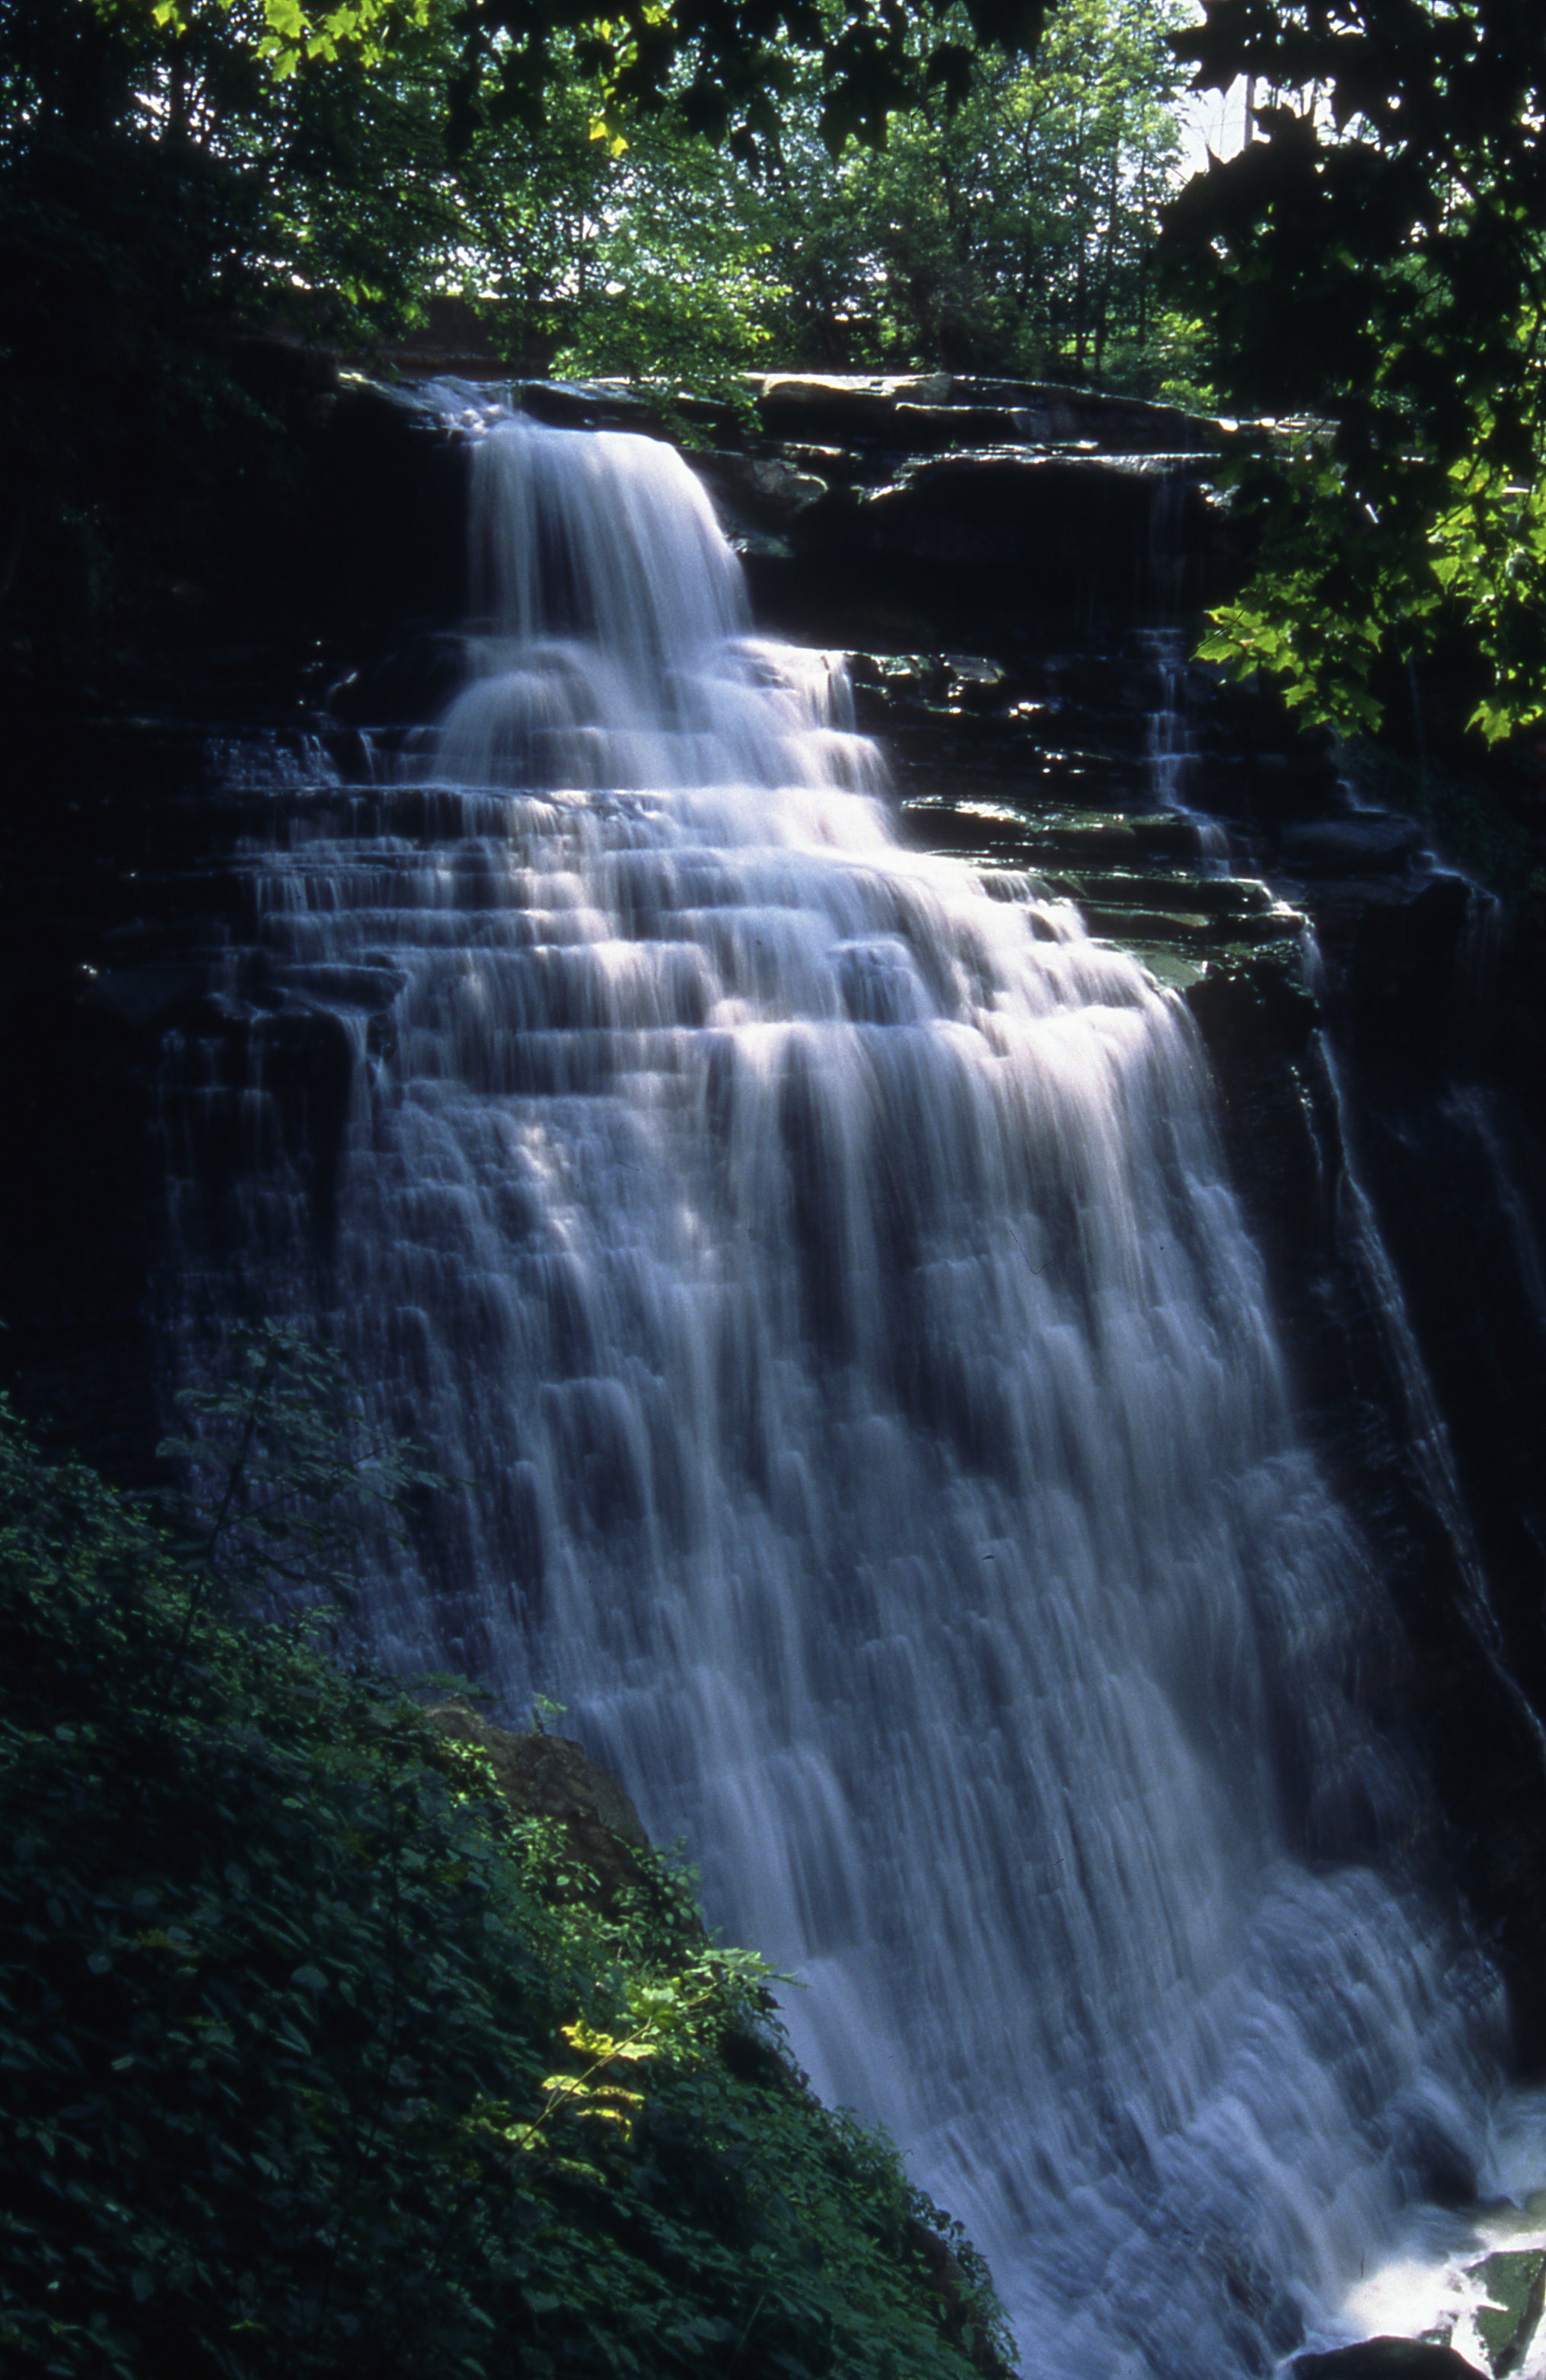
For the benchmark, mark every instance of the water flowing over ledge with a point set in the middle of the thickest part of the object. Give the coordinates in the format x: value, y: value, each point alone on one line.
x: 825, y: 1279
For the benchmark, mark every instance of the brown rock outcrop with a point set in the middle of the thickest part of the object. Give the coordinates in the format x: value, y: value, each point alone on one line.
x: 551, y: 1777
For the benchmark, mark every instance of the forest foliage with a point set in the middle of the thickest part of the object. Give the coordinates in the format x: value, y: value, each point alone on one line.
x: 682, y: 190
x: 319, y: 2058
x: 1372, y: 265
x: 165, y: 189
x: 1011, y: 211
x: 1008, y: 227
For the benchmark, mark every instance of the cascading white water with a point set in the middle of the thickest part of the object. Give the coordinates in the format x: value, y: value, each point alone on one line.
x: 824, y: 1275
x: 1172, y: 753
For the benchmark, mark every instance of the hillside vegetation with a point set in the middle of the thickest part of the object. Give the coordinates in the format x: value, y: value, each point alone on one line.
x: 319, y: 2058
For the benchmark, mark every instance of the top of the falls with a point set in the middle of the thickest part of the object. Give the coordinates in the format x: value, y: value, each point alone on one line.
x: 600, y: 534
x: 614, y: 647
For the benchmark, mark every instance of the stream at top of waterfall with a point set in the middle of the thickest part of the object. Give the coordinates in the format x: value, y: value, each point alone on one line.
x: 825, y: 1280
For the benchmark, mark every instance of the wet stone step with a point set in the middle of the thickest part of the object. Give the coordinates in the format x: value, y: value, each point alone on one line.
x: 1074, y: 729
x: 1279, y: 923
x: 1148, y: 834
x: 1233, y: 896
x: 972, y: 833
x: 1000, y: 830
x: 1078, y: 725
x: 1027, y: 778
x: 1189, y: 926
x: 1147, y: 925
x: 1365, y: 841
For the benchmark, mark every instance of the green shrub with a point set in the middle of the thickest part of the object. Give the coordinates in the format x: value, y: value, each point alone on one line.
x: 319, y: 2059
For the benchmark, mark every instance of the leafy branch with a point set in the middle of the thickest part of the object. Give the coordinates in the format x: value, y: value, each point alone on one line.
x: 294, y: 36
x: 667, y: 2010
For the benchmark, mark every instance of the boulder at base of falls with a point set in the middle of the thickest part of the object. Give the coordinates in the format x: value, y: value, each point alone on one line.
x: 1385, y: 2359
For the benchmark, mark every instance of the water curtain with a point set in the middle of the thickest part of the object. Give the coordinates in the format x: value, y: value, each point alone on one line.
x: 824, y: 1274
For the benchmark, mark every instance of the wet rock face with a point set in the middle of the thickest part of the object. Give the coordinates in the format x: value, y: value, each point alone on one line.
x: 925, y: 410
x: 885, y: 546
x: 1442, y: 1130
x: 1006, y: 509
x: 388, y: 501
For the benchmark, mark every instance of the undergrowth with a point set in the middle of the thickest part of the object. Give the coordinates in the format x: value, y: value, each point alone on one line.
x: 318, y: 2059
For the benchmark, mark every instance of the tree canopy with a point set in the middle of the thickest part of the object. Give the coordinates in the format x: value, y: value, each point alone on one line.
x: 728, y: 66
x: 1011, y: 231
x: 1040, y: 197
x: 1372, y: 265
x: 681, y: 187
x: 708, y: 191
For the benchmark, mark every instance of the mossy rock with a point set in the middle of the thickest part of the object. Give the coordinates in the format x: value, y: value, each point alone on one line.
x: 551, y: 1776
x: 1515, y: 2281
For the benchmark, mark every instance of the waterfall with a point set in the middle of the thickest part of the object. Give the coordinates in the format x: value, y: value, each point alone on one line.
x: 824, y: 1278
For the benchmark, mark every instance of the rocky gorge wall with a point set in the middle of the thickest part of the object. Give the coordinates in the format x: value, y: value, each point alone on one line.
x: 1013, y: 571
